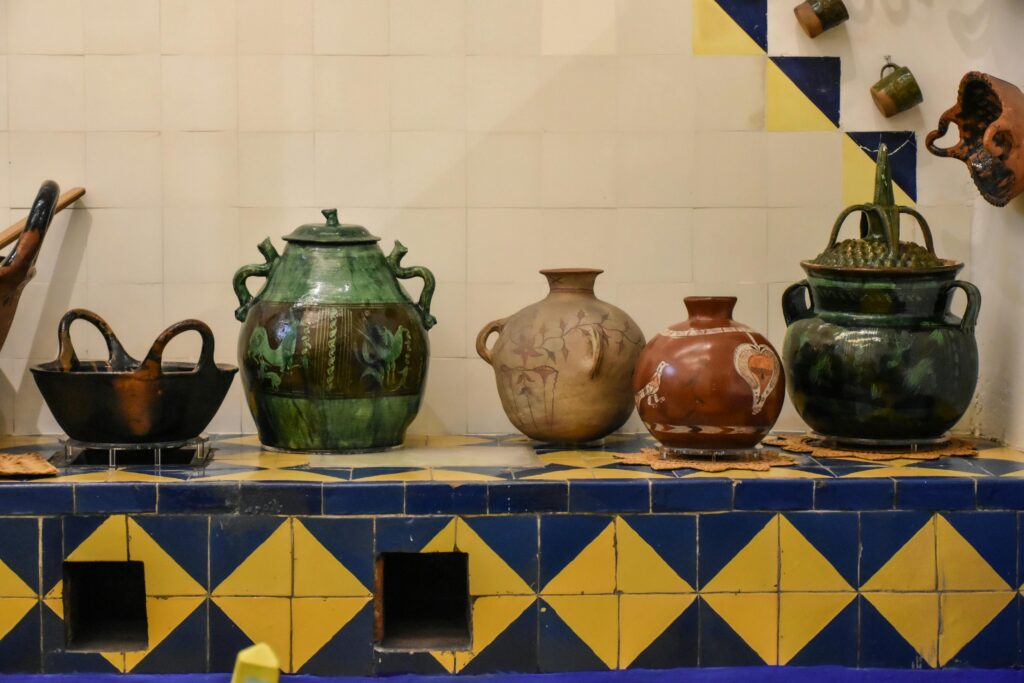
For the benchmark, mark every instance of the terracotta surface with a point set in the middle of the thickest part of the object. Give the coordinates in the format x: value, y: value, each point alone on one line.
x: 990, y: 115
x: 563, y: 365
x: 817, y: 16
x: 709, y: 383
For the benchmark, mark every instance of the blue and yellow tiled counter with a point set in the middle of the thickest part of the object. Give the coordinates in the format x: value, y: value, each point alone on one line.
x: 575, y: 562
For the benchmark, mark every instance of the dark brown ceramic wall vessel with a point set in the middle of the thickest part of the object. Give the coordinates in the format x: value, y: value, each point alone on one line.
x: 709, y: 383
x: 990, y: 115
x: 121, y: 400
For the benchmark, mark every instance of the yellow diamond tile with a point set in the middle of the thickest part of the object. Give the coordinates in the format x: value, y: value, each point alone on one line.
x: 491, y: 616
x: 489, y: 574
x: 640, y: 569
x: 755, y: 568
x: 576, y: 459
x: 961, y: 567
x: 267, y: 571
x: 454, y: 440
x: 444, y: 541
x: 318, y: 572
x: 643, y: 618
x: 627, y: 474
x: 263, y: 459
x: 163, y: 615
x: 964, y: 615
x: 859, y: 176
x: 56, y: 606
x: 594, y: 619
x: 262, y: 620
x: 411, y: 475
x: 111, y: 476
x: 164, y: 576
x: 716, y: 33
x: 563, y: 475
x: 12, y: 611
x: 802, y: 616
x: 905, y: 471
x: 774, y: 473
x: 456, y: 475
x: 804, y: 568
x: 754, y: 618
x: 1007, y: 454
x: 108, y: 543
x: 915, y: 616
x: 273, y: 475
x: 911, y: 568
x: 317, y: 620
x: 12, y: 585
x: 592, y: 571
x: 246, y: 440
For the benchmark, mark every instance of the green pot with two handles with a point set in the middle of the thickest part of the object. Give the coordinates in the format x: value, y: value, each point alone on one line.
x: 333, y: 352
x: 876, y: 358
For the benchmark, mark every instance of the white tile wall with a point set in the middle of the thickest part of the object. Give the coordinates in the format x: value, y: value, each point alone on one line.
x: 494, y: 137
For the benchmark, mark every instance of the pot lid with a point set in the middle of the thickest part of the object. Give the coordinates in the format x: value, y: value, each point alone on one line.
x: 879, y: 246
x: 331, y: 232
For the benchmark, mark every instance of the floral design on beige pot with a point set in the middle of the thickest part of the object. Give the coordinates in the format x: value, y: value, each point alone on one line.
x: 564, y: 364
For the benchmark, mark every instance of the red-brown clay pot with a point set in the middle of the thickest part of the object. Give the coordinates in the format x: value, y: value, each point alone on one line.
x: 709, y: 383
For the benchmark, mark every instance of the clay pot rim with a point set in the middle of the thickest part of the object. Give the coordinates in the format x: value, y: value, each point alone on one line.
x: 948, y: 266
x: 570, y: 271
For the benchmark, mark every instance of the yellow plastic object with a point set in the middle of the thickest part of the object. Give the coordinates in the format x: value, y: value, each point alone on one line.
x: 257, y: 664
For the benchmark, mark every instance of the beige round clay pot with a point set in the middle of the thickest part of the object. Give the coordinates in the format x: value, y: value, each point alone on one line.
x: 564, y: 365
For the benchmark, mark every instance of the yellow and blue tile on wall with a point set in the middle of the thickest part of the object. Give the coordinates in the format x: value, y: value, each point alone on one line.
x: 730, y: 27
x: 802, y: 93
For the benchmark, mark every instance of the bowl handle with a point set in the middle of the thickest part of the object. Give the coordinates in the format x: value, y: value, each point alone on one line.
x: 794, y: 302
x: 970, y: 319
x: 67, y: 359
x: 152, y: 365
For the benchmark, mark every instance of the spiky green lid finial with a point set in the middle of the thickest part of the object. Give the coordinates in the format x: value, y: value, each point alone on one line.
x: 879, y: 245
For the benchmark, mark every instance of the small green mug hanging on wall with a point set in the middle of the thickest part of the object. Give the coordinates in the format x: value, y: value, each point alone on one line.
x: 896, y: 91
x: 333, y: 352
x: 818, y: 16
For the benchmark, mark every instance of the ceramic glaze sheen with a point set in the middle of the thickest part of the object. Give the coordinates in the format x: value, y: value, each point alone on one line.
x: 709, y: 383
x: 563, y: 365
x: 333, y: 352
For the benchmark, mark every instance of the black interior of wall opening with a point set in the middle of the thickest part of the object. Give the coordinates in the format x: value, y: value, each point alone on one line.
x: 423, y: 601
x: 105, y: 606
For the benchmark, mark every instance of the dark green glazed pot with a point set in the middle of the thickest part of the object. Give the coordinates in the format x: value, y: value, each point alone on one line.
x: 333, y: 353
x: 877, y: 359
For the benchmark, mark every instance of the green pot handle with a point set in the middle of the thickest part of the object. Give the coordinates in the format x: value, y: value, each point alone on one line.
x: 245, y: 297
x: 401, y: 272
x: 970, y: 319
x: 794, y: 302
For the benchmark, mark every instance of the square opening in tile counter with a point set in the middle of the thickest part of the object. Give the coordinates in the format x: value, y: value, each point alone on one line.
x: 105, y: 606
x: 422, y: 601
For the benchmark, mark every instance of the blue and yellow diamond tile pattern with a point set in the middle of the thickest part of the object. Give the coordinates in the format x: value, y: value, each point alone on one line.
x: 860, y: 150
x: 730, y: 27
x: 835, y: 561
x: 802, y: 94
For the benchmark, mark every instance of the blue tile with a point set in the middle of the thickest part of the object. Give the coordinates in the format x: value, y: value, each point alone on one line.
x: 226, y: 639
x: 836, y: 535
x: 751, y: 16
x: 407, y: 534
x: 818, y: 78
x: 774, y: 494
x: 198, y: 497
x: 691, y: 495
x: 51, y: 537
x: 281, y: 498
x: 609, y: 495
x: 560, y: 649
x: 77, y: 529
x: 515, y: 650
x: 722, y: 536
x: 442, y: 498
x: 1001, y: 494
x: 20, y: 647
x: 233, y: 538
x: 513, y: 538
x: 185, y: 538
x: 935, y: 493
x: 720, y: 646
x: 108, y: 499
x: 993, y: 535
x: 372, y: 498
x: 563, y: 537
x: 178, y: 652
x: 394, y: 662
x: 348, y: 540
x: 902, y: 155
x: 854, y: 494
x: 995, y: 646
x: 882, y: 534
x: 532, y: 496
x: 19, y: 548
x: 58, y: 660
x: 676, y: 646
x: 37, y: 499
x: 673, y: 537
x: 881, y: 646
x: 835, y: 644
x: 349, y: 652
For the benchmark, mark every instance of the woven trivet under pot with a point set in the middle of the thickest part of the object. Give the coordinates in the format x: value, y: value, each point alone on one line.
x: 815, y: 446
x: 659, y: 459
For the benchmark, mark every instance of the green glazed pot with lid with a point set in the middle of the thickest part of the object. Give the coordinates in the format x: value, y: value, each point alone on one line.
x: 333, y: 351
x: 876, y: 358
